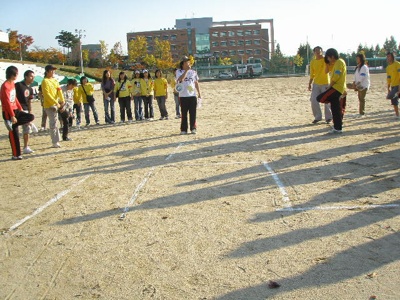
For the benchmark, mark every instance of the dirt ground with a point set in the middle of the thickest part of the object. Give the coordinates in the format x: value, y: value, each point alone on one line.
x: 259, y: 194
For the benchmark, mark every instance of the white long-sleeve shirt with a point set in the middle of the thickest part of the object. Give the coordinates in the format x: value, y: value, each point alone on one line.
x: 361, y: 78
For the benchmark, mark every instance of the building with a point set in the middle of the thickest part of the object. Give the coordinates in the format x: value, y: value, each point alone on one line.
x: 208, y: 40
x: 181, y: 40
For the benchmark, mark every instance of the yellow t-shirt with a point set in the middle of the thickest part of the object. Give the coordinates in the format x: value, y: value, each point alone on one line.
x: 52, y: 93
x: 160, y: 87
x: 147, y: 87
x: 339, y: 75
x: 318, y: 71
x: 77, y: 98
x: 88, y: 89
x: 393, y: 74
x: 126, y: 89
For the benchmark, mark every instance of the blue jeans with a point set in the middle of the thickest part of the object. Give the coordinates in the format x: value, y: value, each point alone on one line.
x: 177, y: 105
x: 138, y: 103
x: 109, y: 104
x: 161, y: 105
x: 148, y: 106
x: 86, y: 107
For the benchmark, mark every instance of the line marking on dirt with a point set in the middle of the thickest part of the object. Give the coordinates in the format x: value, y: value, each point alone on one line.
x: 142, y: 184
x: 350, y: 207
x: 50, y: 202
x: 285, y: 197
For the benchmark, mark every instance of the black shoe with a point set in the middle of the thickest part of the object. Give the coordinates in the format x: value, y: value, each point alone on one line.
x: 316, y: 121
x: 328, y: 121
x: 67, y: 139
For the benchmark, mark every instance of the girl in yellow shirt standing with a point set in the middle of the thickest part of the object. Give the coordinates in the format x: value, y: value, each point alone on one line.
x: 161, y: 93
x: 86, y: 89
x: 147, y: 88
x: 123, y: 91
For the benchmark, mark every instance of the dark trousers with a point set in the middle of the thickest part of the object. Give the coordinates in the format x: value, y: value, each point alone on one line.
x: 148, y: 106
x: 161, y: 105
x: 78, y: 109
x: 67, y: 121
x: 125, y: 104
x: 13, y: 135
x: 188, y: 104
x: 333, y: 96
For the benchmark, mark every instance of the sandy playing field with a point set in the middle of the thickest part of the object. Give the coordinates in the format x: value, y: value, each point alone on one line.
x: 258, y: 195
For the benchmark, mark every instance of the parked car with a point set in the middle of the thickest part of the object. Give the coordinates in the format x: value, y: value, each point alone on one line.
x: 225, y: 75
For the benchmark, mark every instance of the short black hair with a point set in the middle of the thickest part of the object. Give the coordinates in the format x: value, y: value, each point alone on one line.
x: 82, y: 78
x: 72, y: 81
x: 11, y: 71
x: 390, y: 54
x: 28, y: 72
x: 332, y: 52
x: 318, y: 47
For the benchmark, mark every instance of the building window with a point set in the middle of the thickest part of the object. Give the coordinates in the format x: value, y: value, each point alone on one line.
x: 215, y: 44
x: 247, y: 32
x: 223, y: 43
x: 249, y: 51
x: 224, y: 53
x: 173, y: 37
x: 188, y: 24
x: 149, y: 38
x: 232, y: 43
x: 240, y: 52
x: 231, y: 33
x: 256, y: 32
x: 222, y: 34
x: 215, y: 34
x: 248, y: 42
x: 165, y: 37
x: 232, y: 52
x: 240, y: 43
x: 257, y: 42
x: 173, y: 47
x: 149, y: 48
x: 132, y: 39
x: 257, y: 51
x: 239, y: 33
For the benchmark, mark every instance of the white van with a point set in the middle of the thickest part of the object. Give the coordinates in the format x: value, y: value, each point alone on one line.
x: 255, y: 69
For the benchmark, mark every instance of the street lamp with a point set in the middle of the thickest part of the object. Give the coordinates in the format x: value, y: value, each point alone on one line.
x: 80, y: 34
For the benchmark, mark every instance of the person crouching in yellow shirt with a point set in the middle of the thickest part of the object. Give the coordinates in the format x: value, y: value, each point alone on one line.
x: 161, y: 93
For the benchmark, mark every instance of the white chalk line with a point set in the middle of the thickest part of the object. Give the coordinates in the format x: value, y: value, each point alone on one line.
x: 142, y: 184
x: 339, y: 207
x: 285, y: 197
x: 50, y: 202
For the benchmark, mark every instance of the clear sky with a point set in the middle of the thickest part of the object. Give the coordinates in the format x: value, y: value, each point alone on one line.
x: 340, y: 24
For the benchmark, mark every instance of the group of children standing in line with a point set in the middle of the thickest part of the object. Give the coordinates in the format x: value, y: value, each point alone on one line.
x: 65, y: 104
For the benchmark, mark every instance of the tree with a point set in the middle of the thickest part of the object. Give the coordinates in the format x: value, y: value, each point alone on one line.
x: 67, y: 40
x: 16, y: 46
x: 115, y: 56
x: 85, y: 57
x: 103, y: 52
x: 137, y: 49
x: 390, y: 45
x: 162, y: 53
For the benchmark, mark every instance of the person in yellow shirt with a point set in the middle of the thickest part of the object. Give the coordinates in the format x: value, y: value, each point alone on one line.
x: 137, y: 97
x: 161, y: 94
x: 85, y: 92
x: 123, y: 91
x: 147, y: 91
x: 319, y: 82
x: 393, y: 81
x: 77, y: 108
x: 336, y: 89
x: 53, y: 99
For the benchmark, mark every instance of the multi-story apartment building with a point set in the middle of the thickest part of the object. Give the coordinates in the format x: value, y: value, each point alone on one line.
x: 205, y: 39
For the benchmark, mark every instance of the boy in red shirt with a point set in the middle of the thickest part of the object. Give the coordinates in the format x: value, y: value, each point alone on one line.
x: 13, y: 114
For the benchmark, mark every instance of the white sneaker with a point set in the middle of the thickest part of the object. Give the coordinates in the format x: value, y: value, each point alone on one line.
x: 183, y: 132
x: 335, y: 131
x: 27, y: 150
x: 56, y: 145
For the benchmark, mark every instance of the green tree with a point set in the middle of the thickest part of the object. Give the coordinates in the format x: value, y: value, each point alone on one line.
x: 162, y: 53
x: 85, y: 57
x: 390, y: 45
x: 67, y: 40
x: 103, y: 52
x: 137, y: 49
